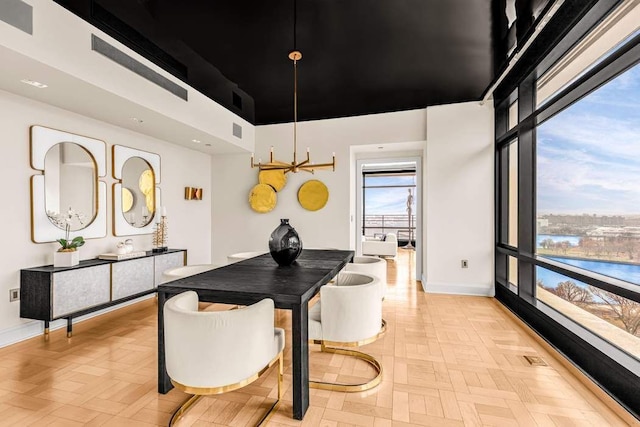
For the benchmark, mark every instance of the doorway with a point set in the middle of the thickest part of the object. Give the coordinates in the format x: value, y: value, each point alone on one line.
x: 389, y: 201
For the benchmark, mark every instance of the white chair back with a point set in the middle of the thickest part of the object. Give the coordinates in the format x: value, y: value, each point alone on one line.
x: 233, y: 258
x: 374, y: 266
x: 351, y: 311
x: 185, y: 271
x: 213, y: 349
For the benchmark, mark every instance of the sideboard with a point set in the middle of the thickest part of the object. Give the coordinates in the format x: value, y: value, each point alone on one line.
x: 49, y: 293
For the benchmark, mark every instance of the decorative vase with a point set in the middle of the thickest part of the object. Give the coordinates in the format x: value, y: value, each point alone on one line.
x: 285, y: 244
x: 66, y: 259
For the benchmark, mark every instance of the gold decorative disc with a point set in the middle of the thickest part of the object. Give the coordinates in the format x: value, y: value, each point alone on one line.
x: 275, y: 178
x: 127, y: 199
x: 263, y: 198
x: 313, y: 195
x: 146, y: 182
x: 150, y: 201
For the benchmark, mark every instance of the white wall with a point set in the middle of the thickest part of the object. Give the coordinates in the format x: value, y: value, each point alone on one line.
x: 236, y: 228
x: 189, y: 221
x: 459, y: 199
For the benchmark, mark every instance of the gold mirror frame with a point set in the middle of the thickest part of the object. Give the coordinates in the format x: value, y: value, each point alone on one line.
x: 42, y: 139
x: 120, y: 155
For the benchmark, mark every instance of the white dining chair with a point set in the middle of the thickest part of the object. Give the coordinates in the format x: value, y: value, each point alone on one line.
x: 185, y: 271
x: 372, y: 265
x: 348, y: 315
x: 210, y: 353
x: 233, y: 258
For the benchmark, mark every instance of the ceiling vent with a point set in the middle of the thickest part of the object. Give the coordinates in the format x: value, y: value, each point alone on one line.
x: 121, y: 58
x: 17, y: 14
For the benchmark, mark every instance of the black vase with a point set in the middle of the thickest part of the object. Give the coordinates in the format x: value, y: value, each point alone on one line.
x: 285, y: 244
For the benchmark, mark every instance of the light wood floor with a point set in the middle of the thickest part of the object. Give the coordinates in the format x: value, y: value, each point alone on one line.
x: 448, y: 361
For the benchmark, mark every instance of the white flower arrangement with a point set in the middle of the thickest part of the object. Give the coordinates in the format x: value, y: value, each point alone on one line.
x: 64, y: 221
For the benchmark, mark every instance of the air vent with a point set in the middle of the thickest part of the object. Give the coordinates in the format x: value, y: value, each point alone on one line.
x: 237, y: 100
x: 535, y: 360
x: 121, y: 58
x: 17, y: 14
x: 237, y: 130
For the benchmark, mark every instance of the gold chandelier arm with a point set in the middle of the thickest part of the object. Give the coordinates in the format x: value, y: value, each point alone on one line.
x: 319, y: 165
x: 294, y: 166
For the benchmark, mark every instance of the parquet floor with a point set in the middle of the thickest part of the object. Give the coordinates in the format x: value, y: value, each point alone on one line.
x: 448, y: 361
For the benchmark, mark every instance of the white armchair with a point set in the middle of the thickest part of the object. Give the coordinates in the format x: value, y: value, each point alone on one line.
x: 376, y: 267
x: 386, y: 247
x: 185, y: 271
x: 348, y: 315
x: 216, y: 352
x: 233, y: 258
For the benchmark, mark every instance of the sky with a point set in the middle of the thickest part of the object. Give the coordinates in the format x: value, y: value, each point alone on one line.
x: 588, y: 156
x: 388, y: 201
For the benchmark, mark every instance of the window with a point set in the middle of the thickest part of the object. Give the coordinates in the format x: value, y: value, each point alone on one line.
x: 513, y: 194
x: 513, y: 274
x: 568, y: 193
x: 588, y: 181
x: 386, y: 197
x: 609, y: 36
x: 610, y: 316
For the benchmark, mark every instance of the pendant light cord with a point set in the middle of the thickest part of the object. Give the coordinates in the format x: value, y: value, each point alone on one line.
x: 295, y: 85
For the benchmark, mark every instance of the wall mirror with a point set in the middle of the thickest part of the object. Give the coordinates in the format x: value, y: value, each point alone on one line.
x: 67, y: 193
x: 136, y: 197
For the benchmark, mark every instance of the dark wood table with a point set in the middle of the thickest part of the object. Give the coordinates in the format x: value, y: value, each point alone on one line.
x: 249, y: 281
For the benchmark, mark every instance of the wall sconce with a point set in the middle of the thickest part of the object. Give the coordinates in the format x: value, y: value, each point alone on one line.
x: 192, y: 193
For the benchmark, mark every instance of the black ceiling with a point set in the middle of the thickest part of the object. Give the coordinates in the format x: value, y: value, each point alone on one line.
x: 359, y: 56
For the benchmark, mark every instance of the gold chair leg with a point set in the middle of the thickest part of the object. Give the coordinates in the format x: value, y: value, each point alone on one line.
x: 350, y: 388
x: 194, y: 398
x: 183, y: 408
x: 273, y: 408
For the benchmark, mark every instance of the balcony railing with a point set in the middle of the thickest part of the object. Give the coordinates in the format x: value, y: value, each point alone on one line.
x: 397, y: 224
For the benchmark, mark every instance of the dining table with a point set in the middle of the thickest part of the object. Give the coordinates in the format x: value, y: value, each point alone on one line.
x: 251, y: 280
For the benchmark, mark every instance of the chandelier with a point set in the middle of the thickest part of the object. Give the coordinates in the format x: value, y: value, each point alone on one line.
x: 295, y: 165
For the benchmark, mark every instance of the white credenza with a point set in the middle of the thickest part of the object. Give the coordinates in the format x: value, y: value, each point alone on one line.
x: 48, y: 293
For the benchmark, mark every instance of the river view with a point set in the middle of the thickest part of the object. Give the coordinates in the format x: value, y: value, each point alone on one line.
x: 622, y: 271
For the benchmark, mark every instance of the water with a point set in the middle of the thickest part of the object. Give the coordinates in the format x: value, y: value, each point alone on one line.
x: 627, y: 272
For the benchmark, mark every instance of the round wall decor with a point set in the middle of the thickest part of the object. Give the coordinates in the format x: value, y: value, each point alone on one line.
x: 262, y: 198
x: 127, y: 199
x: 313, y: 195
x: 275, y: 178
x: 146, y: 181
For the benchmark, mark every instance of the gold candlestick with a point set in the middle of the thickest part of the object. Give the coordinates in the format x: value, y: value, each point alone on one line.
x: 160, y: 235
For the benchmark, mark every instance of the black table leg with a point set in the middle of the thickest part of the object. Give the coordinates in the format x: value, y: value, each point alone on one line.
x: 300, y: 344
x: 164, y: 384
x: 69, y: 327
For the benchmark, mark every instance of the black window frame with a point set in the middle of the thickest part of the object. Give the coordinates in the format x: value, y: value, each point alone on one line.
x: 614, y: 370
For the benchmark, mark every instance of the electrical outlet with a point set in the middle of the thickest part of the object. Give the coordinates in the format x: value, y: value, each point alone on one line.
x: 14, y: 294
x: 464, y: 263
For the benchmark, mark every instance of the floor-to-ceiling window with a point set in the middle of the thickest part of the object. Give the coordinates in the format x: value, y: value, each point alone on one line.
x: 568, y: 196
x: 389, y: 201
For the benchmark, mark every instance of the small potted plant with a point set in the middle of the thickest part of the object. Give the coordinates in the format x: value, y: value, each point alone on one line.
x: 68, y: 254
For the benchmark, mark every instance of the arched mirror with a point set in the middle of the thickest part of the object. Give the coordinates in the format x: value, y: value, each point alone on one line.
x: 136, y: 196
x: 67, y: 190
x: 70, y: 186
x: 138, y: 192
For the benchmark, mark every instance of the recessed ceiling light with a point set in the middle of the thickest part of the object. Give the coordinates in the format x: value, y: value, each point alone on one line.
x: 380, y: 148
x: 34, y: 83
x: 137, y: 120
x: 197, y: 141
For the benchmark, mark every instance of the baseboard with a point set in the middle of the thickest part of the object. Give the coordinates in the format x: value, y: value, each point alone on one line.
x: 34, y: 328
x: 474, y: 289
